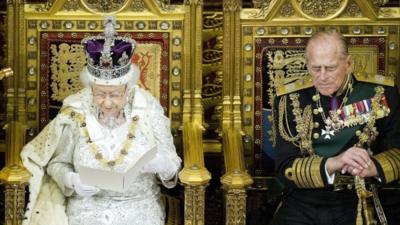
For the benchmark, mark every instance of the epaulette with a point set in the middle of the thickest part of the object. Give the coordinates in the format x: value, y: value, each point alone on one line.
x: 375, y: 79
x: 297, y: 85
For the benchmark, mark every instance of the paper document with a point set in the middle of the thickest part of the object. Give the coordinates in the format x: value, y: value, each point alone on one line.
x: 116, y: 181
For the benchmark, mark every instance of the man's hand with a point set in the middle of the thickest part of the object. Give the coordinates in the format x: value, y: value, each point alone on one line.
x: 355, y: 158
x: 371, y: 171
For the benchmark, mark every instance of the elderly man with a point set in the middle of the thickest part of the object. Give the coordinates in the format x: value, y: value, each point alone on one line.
x: 338, y: 139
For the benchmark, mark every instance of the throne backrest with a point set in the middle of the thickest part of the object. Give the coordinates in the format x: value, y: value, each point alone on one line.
x: 65, y: 60
x: 54, y: 56
x: 283, y: 61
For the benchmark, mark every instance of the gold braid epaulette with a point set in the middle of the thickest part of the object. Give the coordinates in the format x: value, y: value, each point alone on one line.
x: 375, y: 79
x: 390, y: 163
x: 305, y: 172
x: 294, y: 86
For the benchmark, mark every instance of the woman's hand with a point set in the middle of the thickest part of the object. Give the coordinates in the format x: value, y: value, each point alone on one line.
x: 73, y: 181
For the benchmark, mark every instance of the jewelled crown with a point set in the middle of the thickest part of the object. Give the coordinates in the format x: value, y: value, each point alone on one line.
x: 108, y: 56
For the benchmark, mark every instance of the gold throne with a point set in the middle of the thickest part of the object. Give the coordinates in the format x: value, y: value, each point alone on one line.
x: 45, y: 53
x: 273, y: 38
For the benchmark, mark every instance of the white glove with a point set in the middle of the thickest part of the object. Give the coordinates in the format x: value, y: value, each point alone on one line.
x: 73, y: 181
x: 161, y: 165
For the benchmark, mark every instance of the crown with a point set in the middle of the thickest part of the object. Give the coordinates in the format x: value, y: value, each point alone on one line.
x: 108, y: 56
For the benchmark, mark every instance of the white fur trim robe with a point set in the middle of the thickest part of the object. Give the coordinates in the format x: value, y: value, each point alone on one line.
x: 60, y: 147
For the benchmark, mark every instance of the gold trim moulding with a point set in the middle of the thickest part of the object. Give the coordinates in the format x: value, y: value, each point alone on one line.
x: 236, y: 179
x: 194, y: 175
x: 14, y: 175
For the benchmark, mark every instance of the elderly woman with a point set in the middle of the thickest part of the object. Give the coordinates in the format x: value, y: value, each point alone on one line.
x: 107, y: 126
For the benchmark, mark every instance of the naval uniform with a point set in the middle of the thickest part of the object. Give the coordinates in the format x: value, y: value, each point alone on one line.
x: 369, y: 117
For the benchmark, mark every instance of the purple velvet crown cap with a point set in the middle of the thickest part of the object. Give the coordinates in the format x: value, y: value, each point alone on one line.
x: 94, y: 49
x: 108, y: 56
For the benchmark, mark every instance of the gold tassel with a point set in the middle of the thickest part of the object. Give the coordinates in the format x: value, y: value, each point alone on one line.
x: 359, y: 220
x: 362, y: 207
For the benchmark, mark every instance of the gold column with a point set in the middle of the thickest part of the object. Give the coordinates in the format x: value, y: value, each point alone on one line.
x: 235, y: 201
x: 194, y: 175
x: 14, y: 204
x: 236, y: 178
x: 14, y: 175
x: 194, y: 204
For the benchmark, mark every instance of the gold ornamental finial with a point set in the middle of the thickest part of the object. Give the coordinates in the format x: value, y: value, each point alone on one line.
x: 6, y: 73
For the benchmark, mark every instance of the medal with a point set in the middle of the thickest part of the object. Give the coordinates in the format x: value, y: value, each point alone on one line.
x: 327, y: 132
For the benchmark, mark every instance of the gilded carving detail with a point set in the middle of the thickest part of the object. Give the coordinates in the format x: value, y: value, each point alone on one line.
x: 137, y: 6
x: 287, y: 10
x: 319, y: 8
x: 236, y: 207
x: 43, y: 7
x: 66, y: 64
x: 165, y: 5
x: 194, y: 204
x: 360, y: 63
x: 212, y: 55
x: 71, y: 5
x: 388, y: 12
x: 213, y: 21
x: 379, y: 3
x: 232, y: 5
x: 193, y: 2
x: 14, y: 203
x: 104, y: 5
x: 211, y: 92
x: 352, y: 10
x: 263, y: 5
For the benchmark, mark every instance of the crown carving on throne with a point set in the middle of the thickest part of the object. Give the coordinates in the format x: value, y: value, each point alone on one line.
x: 108, y: 55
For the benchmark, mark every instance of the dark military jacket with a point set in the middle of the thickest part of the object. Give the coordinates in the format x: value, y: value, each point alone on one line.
x: 302, y: 150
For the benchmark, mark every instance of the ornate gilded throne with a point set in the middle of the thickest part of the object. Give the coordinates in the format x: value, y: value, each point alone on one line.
x: 258, y: 46
x: 273, y: 38
x: 45, y: 53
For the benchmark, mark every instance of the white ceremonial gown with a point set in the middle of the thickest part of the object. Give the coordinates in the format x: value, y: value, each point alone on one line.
x: 62, y: 148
